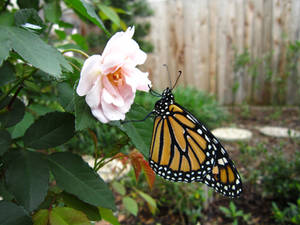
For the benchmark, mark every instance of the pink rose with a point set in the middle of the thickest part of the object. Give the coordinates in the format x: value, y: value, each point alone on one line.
x: 110, y: 80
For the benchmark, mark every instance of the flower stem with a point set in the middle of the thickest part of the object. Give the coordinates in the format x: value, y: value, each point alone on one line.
x: 75, y: 50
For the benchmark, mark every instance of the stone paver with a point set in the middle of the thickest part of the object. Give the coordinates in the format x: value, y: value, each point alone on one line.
x: 280, y: 132
x: 232, y: 134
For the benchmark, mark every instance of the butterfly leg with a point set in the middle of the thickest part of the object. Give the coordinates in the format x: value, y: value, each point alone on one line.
x: 142, y: 120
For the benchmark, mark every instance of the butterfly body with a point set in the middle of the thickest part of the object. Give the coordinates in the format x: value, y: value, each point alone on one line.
x: 184, y: 150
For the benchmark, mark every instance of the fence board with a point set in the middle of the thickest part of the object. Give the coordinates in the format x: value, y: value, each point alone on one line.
x: 204, y: 37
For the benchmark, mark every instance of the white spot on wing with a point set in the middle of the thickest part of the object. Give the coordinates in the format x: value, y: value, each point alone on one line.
x: 225, y: 160
x: 207, y: 138
x: 192, y: 119
x: 221, y: 162
x: 222, y: 150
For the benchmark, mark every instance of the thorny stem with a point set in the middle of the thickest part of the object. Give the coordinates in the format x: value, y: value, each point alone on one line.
x: 20, y: 81
x: 14, y: 97
x: 75, y: 50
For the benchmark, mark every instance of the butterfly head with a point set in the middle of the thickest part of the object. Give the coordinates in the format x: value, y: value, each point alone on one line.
x: 162, y: 106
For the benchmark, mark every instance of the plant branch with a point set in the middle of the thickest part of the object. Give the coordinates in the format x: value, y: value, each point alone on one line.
x: 75, y: 50
x: 14, y: 97
x: 20, y: 81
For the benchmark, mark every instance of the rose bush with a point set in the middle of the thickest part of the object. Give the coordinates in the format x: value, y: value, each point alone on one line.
x: 109, y: 81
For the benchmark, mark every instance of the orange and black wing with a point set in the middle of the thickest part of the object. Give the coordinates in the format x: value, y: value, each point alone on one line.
x: 181, y: 149
x: 224, y: 177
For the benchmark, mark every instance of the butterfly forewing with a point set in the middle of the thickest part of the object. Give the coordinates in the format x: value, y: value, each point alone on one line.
x: 181, y: 149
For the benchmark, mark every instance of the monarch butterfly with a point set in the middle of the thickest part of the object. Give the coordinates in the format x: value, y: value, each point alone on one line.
x: 184, y: 150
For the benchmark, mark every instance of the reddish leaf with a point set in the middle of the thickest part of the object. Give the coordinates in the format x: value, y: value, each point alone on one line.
x: 138, y: 162
x: 135, y: 161
x: 150, y: 175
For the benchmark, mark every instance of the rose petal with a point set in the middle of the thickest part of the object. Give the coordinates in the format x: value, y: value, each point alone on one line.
x: 112, y: 112
x: 111, y: 94
x: 137, y: 79
x: 89, y: 73
x: 93, y: 99
x: 98, y: 113
x: 128, y: 96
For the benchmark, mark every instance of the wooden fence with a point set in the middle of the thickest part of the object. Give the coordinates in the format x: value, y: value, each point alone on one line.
x: 235, y: 49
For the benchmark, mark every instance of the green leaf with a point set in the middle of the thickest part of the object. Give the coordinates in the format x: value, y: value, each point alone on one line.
x: 83, y: 116
x: 225, y: 210
x: 40, y: 109
x: 80, y: 40
x: 7, y: 19
x: 10, y: 117
x: 7, y: 73
x: 28, y: 4
x: 4, y: 193
x: 32, y: 49
x: 4, y: 47
x: 5, y: 140
x: 50, y: 130
x: 75, y: 176
x: 108, y: 216
x: 52, y: 11
x: 72, y: 201
x: 150, y: 201
x: 64, y: 24
x: 87, y: 10
x: 19, y: 129
x: 67, y: 216
x: 27, y: 179
x: 232, y: 206
x: 41, y: 217
x: 65, y: 96
x: 61, y: 34
x: 29, y: 16
x: 11, y: 214
x: 110, y: 13
x: 139, y: 132
x: 131, y: 205
x: 119, y: 187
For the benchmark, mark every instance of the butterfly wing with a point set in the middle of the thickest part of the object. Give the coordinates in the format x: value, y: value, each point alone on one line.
x: 184, y: 150
x: 224, y: 177
x: 181, y: 148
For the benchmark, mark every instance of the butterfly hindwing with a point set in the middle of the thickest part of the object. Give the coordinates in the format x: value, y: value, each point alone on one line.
x: 224, y: 178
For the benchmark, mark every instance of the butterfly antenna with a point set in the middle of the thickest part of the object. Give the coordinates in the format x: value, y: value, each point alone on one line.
x: 180, y: 72
x: 170, y: 80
